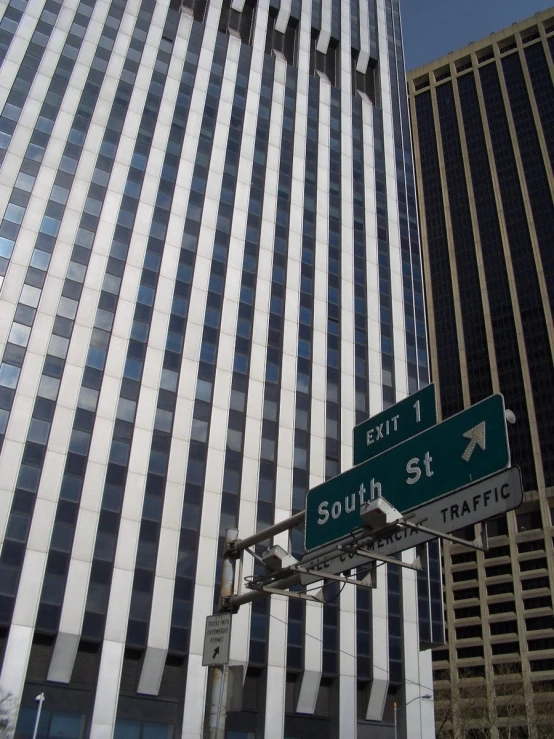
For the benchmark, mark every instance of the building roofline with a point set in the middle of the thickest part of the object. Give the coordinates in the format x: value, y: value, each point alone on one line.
x: 474, y: 46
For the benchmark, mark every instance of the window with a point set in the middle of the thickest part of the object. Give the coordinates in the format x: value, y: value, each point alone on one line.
x: 503, y: 627
x: 497, y: 527
x: 467, y: 652
x: 19, y: 334
x: 540, y: 622
x: 466, y: 594
x: 529, y: 521
x: 198, y: 8
x: 9, y: 375
x: 286, y: 42
x: 325, y: 63
x: 240, y: 22
x: 53, y: 724
x: 365, y: 83
x: 14, y: 213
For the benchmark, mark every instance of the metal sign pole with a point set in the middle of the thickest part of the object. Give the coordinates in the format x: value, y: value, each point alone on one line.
x: 218, y: 700
x: 271, y: 531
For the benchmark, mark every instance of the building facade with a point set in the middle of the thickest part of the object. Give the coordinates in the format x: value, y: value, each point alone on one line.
x: 484, y: 152
x: 210, y: 273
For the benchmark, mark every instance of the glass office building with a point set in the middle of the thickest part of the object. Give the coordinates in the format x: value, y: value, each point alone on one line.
x: 210, y: 272
x: 484, y: 152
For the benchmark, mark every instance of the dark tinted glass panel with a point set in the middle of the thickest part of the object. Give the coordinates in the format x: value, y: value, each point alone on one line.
x: 443, y: 300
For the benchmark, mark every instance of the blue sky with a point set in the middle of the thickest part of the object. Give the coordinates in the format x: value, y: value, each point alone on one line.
x: 432, y: 28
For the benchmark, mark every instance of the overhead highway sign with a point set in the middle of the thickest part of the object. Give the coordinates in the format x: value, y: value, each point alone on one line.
x: 472, y: 504
x: 461, y: 450
x: 404, y: 419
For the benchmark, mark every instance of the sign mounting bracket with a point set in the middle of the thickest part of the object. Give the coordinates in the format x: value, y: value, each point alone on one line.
x: 415, y: 565
x: 290, y: 594
x: 441, y: 535
x: 338, y: 578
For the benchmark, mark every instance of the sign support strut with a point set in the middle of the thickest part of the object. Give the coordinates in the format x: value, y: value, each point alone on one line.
x: 441, y: 535
x: 416, y: 565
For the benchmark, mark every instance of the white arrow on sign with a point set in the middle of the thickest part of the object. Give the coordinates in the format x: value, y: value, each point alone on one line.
x: 476, y: 435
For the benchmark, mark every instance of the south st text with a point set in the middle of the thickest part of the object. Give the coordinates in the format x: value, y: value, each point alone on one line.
x: 335, y: 509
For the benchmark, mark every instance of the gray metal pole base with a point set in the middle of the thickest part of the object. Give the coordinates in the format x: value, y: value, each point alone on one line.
x: 218, y: 704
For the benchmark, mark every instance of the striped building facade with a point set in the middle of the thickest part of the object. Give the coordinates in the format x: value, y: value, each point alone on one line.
x: 484, y: 153
x: 210, y: 272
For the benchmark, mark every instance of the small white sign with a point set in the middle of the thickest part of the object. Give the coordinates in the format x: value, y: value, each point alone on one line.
x: 217, y: 640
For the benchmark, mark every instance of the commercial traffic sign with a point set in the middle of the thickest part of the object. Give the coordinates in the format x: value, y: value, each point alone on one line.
x: 217, y: 640
x: 405, y: 419
x: 469, y: 505
x: 457, y: 452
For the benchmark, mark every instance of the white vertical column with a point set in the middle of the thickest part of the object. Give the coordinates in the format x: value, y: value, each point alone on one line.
x: 379, y: 599
x: 414, y: 680
x: 277, y: 647
x: 372, y: 262
x: 211, y: 505
x: 363, y: 56
x: 278, y: 606
x: 326, y: 21
x: 276, y: 668
x: 282, y: 20
x: 395, y: 255
x: 313, y: 640
x: 319, y: 343
x: 379, y: 648
x: 427, y: 705
x: 347, y: 631
x: 348, y: 718
x: 240, y: 636
x: 379, y: 596
x: 313, y: 659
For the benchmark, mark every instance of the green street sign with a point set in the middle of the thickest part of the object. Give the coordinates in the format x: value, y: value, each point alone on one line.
x: 463, y: 449
x: 405, y: 419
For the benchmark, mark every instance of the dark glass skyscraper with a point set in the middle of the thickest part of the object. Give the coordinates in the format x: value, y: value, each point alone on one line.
x: 484, y: 152
x: 210, y: 272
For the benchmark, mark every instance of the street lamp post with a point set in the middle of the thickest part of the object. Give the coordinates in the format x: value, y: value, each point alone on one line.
x: 425, y: 697
x: 40, y: 698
